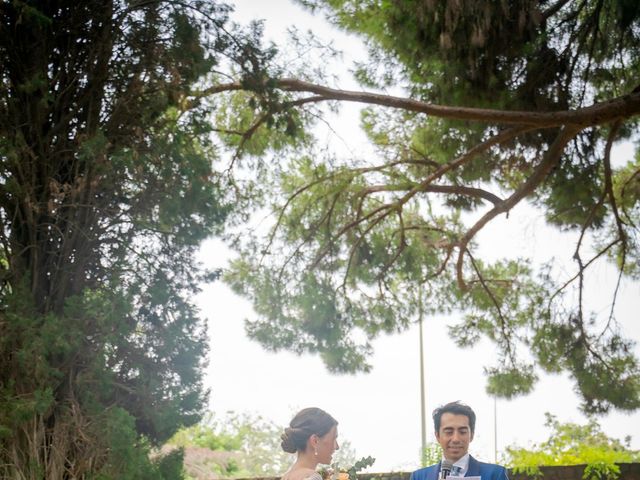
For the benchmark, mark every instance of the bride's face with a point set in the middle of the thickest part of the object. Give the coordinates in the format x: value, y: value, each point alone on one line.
x: 327, y: 444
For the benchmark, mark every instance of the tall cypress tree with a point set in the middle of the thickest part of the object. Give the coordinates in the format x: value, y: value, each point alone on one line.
x: 106, y: 188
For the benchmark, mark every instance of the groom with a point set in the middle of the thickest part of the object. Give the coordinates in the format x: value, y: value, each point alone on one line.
x: 454, y: 425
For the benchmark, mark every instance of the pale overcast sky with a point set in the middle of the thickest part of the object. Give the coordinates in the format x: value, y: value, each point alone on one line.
x: 379, y: 412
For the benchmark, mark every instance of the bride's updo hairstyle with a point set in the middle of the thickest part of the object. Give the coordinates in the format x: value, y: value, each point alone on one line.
x: 307, y: 422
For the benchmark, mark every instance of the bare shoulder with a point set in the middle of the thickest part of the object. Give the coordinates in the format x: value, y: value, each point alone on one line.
x: 302, y: 474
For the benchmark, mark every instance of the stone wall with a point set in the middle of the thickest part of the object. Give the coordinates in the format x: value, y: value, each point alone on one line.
x: 628, y: 471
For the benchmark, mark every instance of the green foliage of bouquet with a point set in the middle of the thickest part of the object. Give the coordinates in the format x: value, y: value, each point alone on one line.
x: 335, y: 472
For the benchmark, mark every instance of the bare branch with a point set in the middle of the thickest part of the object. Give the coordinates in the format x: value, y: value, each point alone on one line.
x: 213, y: 90
x: 473, y: 152
x: 623, y: 191
x: 608, y: 186
x: 402, y: 244
x: 246, y: 136
x: 551, y: 158
x: 455, y: 189
x: 376, y: 215
x: 585, y: 266
x: 503, y: 322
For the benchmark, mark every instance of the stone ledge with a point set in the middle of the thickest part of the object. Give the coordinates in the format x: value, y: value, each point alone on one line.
x: 628, y: 471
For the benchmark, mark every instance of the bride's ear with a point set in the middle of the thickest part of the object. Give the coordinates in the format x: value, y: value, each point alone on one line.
x: 313, y: 442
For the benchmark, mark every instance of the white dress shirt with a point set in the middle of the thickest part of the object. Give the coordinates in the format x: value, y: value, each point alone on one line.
x: 460, y: 467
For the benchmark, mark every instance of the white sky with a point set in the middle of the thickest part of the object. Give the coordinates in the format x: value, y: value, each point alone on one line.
x: 379, y: 412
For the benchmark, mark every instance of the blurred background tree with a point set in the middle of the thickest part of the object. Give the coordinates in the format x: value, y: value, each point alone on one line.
x: 573, y: 444
x: 432, y: 454
x: 241, y: 446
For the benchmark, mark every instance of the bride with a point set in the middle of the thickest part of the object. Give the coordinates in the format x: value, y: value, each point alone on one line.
x: 312, y: 434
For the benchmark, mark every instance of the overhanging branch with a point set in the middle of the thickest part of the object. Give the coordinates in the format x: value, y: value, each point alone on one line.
x: 621, y: 107
x: 599, y: 113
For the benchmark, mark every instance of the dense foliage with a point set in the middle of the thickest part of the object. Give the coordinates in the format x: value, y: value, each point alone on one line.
x: 574, y: 444
x: 509, y: 102
x: 106, y: 190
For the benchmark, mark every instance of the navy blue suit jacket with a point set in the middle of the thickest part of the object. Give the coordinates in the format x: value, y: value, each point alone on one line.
x: 488, y: 471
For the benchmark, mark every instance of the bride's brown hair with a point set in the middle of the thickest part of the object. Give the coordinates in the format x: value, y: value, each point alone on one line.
x: 307, y: 422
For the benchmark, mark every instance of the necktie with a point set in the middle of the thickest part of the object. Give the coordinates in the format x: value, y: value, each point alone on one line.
x: 455, y: 471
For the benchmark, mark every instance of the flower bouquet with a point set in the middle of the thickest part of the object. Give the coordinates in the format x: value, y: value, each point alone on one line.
x: 335, y: 472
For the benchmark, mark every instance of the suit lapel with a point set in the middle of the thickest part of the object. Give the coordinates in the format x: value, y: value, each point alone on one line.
x: 474, y: 468
x: 432, y: 473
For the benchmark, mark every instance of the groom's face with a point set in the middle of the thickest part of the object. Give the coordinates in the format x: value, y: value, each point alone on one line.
x: 454, y: 436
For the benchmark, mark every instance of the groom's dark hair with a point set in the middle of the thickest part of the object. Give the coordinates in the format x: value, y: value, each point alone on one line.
x: 455, y: 408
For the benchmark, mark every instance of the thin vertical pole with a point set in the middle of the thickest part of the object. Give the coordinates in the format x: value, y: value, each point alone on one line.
x: 495, y: 430
x: 422, y: 387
